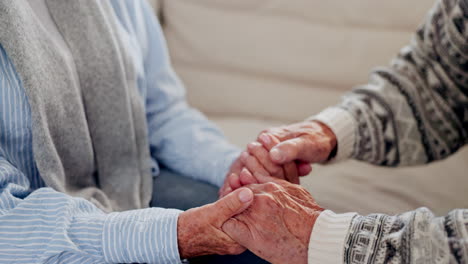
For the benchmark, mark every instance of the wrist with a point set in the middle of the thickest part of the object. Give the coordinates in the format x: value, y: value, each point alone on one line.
x: 313, y: 216
x: 199, y: 229
x: 184, y: 231
x: 301, y: 253
x: 331, y: 141
x: 343, y: 126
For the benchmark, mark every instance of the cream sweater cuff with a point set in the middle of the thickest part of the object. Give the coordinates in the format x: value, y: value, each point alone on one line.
x: 327, y: 241
x: 343, y: 125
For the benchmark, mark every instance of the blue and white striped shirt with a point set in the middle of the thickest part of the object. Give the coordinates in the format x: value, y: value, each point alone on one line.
x: 38, y: 224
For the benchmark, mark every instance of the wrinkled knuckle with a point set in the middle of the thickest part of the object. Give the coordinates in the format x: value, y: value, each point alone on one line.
x: 271, y: 187
x: 231, y: 207
x: 263, y: 199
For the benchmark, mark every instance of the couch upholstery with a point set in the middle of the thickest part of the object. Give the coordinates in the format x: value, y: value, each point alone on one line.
x: 251, y: 64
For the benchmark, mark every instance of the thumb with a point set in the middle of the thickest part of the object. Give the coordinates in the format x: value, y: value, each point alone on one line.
x: 293, y: 149
x: 232, y: 204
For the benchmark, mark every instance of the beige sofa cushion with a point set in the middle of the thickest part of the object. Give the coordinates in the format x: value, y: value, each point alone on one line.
x: 274, y: 56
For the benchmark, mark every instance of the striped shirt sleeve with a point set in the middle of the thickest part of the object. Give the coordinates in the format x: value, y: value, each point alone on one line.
x: 40, y: 225
x: 48, y: 226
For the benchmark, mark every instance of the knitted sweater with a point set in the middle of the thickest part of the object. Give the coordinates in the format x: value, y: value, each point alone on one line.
x: 413, y: 112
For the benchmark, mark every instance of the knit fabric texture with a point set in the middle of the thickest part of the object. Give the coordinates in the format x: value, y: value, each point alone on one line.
x: 414, y: 112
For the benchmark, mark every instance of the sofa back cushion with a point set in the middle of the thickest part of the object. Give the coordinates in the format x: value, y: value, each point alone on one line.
x: 284, y: 60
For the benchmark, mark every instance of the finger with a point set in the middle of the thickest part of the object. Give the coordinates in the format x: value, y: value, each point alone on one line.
x: 263, y: 156
x: 232, y: 204
x: 268, y: 140
x: 234, y: 182
x: 225, y: 191
x: 246, y: 178
x: 236, y: 166
x: 252, y: 164
x: 294, y: 149
x: 304, y: 169
x: 291, y: 174
x: 260, y: 178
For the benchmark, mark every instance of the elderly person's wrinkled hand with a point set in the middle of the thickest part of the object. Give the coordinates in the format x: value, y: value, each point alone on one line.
x: 278, y: 224
x: 257, y: 160
x: 306, y: 142
x: 199, y: 229
x: 260, y: 165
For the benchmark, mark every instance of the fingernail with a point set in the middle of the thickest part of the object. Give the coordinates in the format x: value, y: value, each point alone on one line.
x: 265, y: 138
x: 276, y: 155
x: 245, y: 195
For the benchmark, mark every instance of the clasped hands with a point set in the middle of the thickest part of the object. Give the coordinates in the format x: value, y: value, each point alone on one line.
x: 261, y: 206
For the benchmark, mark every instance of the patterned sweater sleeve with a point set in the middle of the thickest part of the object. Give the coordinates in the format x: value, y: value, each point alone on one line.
x: 413, y: 237
x: 416, y: 110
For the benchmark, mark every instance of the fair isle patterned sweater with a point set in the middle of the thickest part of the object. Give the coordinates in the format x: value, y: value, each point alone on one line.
x: 413, y: 112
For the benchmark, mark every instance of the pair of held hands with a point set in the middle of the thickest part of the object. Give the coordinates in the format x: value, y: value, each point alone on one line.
x: 261, y: 207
